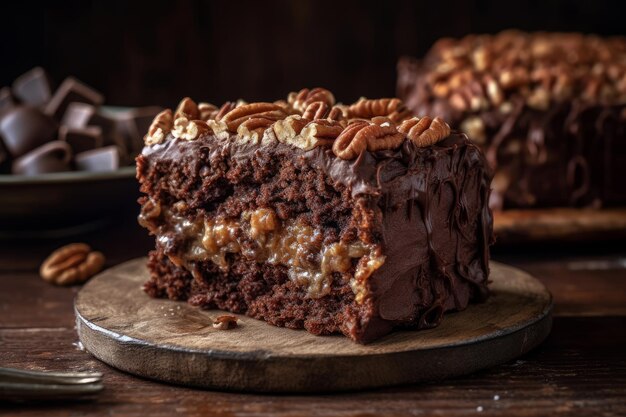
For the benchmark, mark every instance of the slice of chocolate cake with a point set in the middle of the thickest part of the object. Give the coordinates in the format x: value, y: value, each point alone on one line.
x: 549, y: 110
x: 310, y: 214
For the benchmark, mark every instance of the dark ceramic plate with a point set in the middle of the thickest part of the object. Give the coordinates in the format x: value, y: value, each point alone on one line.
x: 64, y: 203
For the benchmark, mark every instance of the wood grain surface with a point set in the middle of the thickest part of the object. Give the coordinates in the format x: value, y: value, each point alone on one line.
x: 580, y: 370
x: 559, y: 224
x: 174, y: 342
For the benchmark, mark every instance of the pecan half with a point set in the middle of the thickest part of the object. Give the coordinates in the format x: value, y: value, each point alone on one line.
x: 318, y: 133
x: 301, y: 133
x: 223, y: 111
x: 71, y: 264
x: 225, y: 322
x: 240, y: 114
x: 160, y: 127
x: 337, y: 112
x: 382, y: 121
x: 362, y: 135
x: 285, y: 106
x: 207, y: 111
x: 300, y: 100
x: 425, y: 131
x: 189, y: 129
x: 399, y: 115
x: 251, y: 131
x: 187, y: 108
x: 366, y: 108
x: 316, y: 110
x: 289, y: 127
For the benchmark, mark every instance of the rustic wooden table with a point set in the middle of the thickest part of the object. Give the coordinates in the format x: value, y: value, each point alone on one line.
x: 580, y: 370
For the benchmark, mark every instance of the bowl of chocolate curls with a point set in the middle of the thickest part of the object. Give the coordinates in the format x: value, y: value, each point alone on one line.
x: 66, y: 159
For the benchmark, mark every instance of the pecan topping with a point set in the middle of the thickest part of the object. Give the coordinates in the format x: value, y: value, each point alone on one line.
x: 297, y: 131
x: 283, y: 104
x: 308, y: 119
x: 316, y: 110
x: 251, y: 131
x: 226, y: 107
x: 225, y: 322
x: 207, y: 111
x: 300, y: 100
x: 71, y: 264
x: 160, y: 127
x: 337, y: 113
x: 425, y: 131
x: 399, y: 115
x: 240, y: 114
x: 538, y: 67
x: 187, y: 109
x: 362, y: 135
x: 189, y: 129
x: 319, y: 133
x: 383, y: 121
x: 289, y: 128
x: 366, y: 109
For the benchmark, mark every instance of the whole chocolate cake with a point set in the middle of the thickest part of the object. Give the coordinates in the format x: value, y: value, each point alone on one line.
x: 548, y: 109
x: 310, y: 214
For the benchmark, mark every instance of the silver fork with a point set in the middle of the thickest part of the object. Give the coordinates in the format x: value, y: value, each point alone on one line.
x: 22, y: 385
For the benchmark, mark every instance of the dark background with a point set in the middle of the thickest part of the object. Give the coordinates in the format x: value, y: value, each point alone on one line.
x: 155, y: 52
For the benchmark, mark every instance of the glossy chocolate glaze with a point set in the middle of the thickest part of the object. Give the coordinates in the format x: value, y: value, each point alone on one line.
x: 430, y: 202
x: 425, y: 207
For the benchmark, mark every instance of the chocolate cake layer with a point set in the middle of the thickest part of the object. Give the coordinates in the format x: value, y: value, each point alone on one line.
x: 549, y: 111
x: 302, y: 238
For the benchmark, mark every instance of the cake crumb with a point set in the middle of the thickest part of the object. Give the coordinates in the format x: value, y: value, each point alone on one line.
x: 479, y: 408
x: 496, y: 397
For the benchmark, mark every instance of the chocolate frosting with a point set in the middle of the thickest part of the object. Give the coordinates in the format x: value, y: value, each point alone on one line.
x: 431, y: 200
x: 430, y: 215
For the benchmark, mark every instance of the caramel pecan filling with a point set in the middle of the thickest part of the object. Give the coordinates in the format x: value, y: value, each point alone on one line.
x: 306, y: 120
x: 260, y: 236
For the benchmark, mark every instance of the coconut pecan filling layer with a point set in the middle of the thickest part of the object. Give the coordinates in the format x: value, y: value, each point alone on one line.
x: 261, y: 236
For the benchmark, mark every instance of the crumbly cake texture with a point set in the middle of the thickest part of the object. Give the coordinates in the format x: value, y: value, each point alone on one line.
x: 310, y: 214
x: 548, y: 109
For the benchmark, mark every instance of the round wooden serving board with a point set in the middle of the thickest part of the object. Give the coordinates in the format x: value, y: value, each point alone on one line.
x: 175, y: 342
